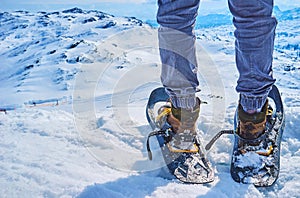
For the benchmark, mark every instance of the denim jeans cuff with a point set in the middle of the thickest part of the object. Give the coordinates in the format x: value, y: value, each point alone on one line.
x: 186, y: 102
x: 252, y: 103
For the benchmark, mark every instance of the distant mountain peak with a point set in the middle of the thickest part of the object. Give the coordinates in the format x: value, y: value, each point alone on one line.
x: 74, y: 10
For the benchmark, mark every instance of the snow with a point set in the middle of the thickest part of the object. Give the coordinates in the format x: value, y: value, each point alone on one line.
x: 74, y: 87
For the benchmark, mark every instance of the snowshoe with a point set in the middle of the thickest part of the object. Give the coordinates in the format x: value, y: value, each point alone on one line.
x: 257, y: 161
x: 187, y: 165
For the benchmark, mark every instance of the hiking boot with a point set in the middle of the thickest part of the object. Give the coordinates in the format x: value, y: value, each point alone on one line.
x: 183, y: 126
x: 252, y: 125
x: 184, y: 120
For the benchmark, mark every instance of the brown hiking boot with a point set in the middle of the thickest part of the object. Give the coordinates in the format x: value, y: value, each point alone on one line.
x: 184, y: 120
x: 183, y: 125
x: 252, y: 126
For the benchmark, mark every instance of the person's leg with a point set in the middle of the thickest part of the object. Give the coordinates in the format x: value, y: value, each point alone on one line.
x: 255, y: 32
x: 177, y: 50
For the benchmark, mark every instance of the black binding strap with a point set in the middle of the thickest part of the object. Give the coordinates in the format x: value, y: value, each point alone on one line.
x: 216, y: 137
x: 153, y: 133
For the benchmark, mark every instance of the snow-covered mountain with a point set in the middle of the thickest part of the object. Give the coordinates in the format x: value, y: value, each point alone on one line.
x: 48, y: 46
x: 74, y: 87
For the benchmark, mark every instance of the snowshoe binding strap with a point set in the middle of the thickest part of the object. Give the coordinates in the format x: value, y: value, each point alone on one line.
x: 194, y: 149
x: 250, y: 142
x: 153, y: 133
x: 163, y: 112
x: 245, y: 141
x: 216, y: 137
x: 168, y: 135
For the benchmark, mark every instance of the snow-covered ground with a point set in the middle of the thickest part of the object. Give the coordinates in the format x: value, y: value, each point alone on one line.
x: 74, y: 87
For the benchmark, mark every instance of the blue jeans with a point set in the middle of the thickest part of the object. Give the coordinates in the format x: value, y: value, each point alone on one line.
x: 255, y: 33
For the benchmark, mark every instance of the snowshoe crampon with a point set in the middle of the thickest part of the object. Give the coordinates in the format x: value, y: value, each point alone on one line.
x: 189, y: 165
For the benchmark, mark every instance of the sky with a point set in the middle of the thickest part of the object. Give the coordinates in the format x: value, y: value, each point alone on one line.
x: 142, y: 9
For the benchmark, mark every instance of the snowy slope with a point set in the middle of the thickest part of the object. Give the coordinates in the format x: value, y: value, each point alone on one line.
x: 75, y: 84
x: 49, y: 46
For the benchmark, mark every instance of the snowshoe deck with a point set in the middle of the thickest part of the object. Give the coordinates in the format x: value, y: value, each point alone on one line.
x: 188, y: 167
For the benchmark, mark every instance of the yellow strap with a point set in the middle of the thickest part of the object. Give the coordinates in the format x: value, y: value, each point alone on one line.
x: 266, y: 153
x: 174, y: 150
x: 270, y: 112
x: 165, y: 112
